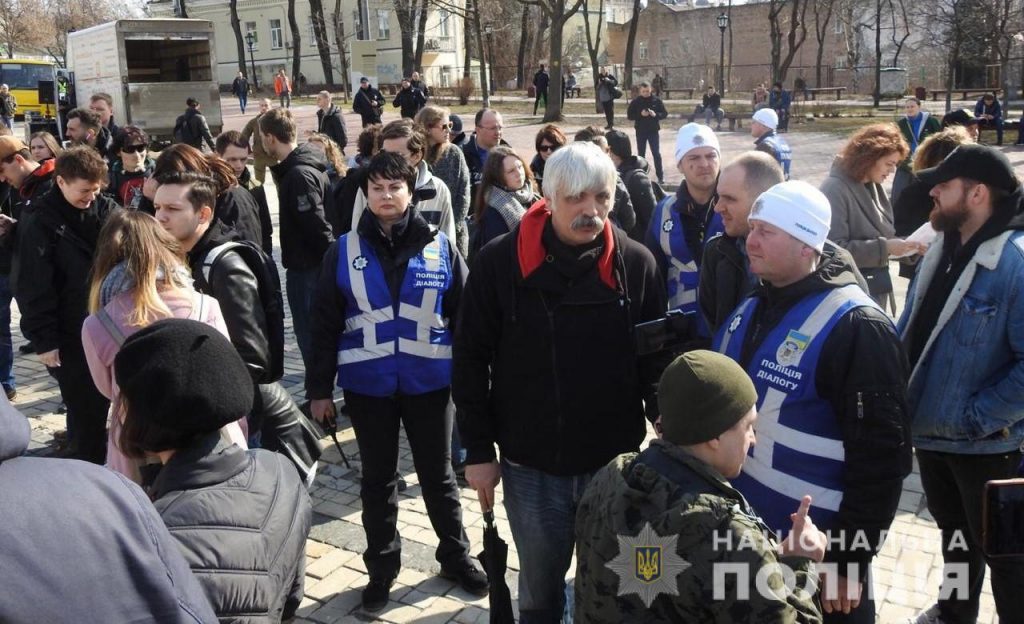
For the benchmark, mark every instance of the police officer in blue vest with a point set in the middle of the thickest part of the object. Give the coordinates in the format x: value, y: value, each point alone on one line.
x: 383, y: 317
x: 763, y: 128
x: 682, y: 223
x: 830, y: 374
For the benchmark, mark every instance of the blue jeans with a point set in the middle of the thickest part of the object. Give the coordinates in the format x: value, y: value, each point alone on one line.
x: 243, y: 99
x: 9, y: 122
x: 652, y: 138
x: 300, y: 284
x: 542, y: 514
x: 6, y: 344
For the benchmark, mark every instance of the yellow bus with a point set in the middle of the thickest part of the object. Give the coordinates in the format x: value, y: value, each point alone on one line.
x: 23, y: 76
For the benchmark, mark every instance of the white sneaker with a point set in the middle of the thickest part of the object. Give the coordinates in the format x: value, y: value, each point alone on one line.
x: 929, y: 616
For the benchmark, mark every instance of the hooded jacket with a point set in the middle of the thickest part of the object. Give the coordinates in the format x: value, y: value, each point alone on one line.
x: 53, y: 287
x: 633, y: 173
x: 862, y: 374
x: 725, y: 278
x: 695, y: 509
x: 259, y: 193
x: 88, y: 534
x: 544, y: 363
x: 303, y: 230
x: 237, y: 209
x: 241, y: 519
x: 437, y: 211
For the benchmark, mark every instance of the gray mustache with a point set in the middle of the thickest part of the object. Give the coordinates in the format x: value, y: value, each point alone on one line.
x: 586, y: 222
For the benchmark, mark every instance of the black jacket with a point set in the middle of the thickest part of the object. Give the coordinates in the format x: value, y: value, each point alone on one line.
x: 724, y: 280
x: 419, y: 84
x: 622, y: 210
x: 646, y: 125
x: 862, y: 373
x: 241, y: 518
x: 238, y: 209
x: 8, y: 197
x: 711, y: 101
x: 545, y: 366
x: 367, y: 104
x: 633, y: 173
x: 332, y: 124
x: 409, y: 101
x: 35, y: 186
x: 303, y: 230
x: 198, y: 128
x: 259, y: 193
x: 408, y: 237
x: 53, y: 287
x: 541, y: 80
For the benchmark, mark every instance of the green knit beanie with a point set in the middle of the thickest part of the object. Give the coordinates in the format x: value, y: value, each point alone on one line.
x: 701, y: 395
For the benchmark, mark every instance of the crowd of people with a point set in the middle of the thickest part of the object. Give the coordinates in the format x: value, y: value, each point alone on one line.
x: 490, y: 303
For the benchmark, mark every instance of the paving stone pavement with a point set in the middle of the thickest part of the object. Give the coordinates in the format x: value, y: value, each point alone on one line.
x: 906, y: 573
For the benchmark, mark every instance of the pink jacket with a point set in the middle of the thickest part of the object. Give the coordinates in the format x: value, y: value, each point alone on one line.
x: 101, y: 348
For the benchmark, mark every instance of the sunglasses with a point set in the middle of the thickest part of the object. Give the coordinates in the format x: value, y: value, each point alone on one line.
x: 133, y: 149
x: 547, y: 148
x: 445, y: 126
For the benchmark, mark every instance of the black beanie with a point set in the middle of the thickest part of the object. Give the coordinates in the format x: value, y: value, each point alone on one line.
x: 183, y: 375
x: 701, y: 395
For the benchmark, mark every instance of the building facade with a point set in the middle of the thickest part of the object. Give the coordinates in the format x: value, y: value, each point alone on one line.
x: 377, y: 54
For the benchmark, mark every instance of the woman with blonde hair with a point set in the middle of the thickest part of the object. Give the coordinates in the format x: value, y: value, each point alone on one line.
x: 447, y: 162
x: 43, y: 146
x: 336, y: 167
x: 139, y: 276
x: 862, y: 217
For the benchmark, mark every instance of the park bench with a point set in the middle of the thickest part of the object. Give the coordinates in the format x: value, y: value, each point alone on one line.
x: 965, y: 93
x: 1008, y: 127
x: 571, y: 92
x: 687, y: 90
x: 812, y: 93
x: 735, y: 119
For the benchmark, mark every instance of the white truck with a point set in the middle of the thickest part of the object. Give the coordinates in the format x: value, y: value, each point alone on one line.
x: 149, y: 67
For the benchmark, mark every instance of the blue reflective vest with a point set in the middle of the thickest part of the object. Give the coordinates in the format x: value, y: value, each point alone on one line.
x: 783, y: 153
x: 799, y: 446
x: 683, y: 268
x: 394, y: 347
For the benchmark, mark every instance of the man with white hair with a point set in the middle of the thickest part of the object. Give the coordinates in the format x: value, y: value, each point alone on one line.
x: 681, y: 224
x: 545, y: 368
x: 763, y: 128
x: 831, y: 378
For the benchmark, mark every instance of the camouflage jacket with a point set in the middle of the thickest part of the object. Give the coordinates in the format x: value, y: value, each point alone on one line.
x: 706, y: 567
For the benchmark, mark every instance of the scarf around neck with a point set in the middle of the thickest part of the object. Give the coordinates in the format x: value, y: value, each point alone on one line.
x: 510, y: 205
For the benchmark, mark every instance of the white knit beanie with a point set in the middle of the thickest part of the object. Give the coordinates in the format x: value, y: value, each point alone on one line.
x: 691, y: 136
x: 798, y: 209
x: 767, y: 118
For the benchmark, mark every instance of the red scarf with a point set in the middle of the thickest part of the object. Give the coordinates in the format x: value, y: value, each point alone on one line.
x: 45, y: 168
x: 531, y: 250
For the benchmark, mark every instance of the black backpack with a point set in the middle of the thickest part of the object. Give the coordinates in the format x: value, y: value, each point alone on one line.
x: 659, y: 193
x: 183, y: 130
x: 265, y: 270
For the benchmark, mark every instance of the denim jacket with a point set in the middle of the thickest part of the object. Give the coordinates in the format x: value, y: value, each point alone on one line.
x: 966, y: 392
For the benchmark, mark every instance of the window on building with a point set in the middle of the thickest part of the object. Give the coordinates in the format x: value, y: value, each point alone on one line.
x: 312, y: 31
x: 250, y: 27
x: 643, y: 51
x: 663, y: 44
x: 841, y: 62
x: 383, y: 23
x: 446, y: 72
x: 444, y: 26
x: 837, y: 27
x: 276, y: 36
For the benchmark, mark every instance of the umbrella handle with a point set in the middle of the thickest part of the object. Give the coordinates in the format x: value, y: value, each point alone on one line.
x: 489, y: 517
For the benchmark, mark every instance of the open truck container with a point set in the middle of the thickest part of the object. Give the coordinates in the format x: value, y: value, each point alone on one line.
x: 149, y: 67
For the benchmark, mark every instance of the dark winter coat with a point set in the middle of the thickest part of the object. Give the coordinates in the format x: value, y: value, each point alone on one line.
x: 541, y: 80
x: 633, y: 173
x: 198, y: 128
x: 259, y: 193
x: 53, y: 288
x: 303, y: 230
x: 238, y: 209
x: 409, y: 100
x: 35, y: 186
x: 646, y: 125
x: 241, y: 518
x: 544, y: 364
x: 331, y: 123
x: 367, y: 104
x: 90, y: 535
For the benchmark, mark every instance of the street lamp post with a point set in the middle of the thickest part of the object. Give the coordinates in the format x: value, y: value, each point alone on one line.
x: 252, y: 59
x: 723, y: 23
x: 489, y: 31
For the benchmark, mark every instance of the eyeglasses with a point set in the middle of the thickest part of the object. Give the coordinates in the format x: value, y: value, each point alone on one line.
x: 547, y: 148
x: 133, y: 149
x: 491, y: 128
x: 445, y: 126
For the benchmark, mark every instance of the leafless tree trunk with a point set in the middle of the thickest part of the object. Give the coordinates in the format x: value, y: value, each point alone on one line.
x: 631, y: 44
x: 558, y: 13
x: 593, y: 44
x: 316, y: 8
x: 339, y: 36
x: 296, y: 44
x: 236, y: 27
x: 524, y: 33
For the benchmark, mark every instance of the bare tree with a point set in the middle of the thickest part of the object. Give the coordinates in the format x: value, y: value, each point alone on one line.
x: 788, y: 31
x: 473, y: 37
x: 236, y: 27
x: 631, y: 43
x: 339, y: 36
x: 850, y: 12
x: 296, y: 43
x: 524, y: 35
x: 412, y: 21
x: 21, y: 25
x: 323, y: 46
x: 823, y: 10
x: 593, y: 43
x: 558, y: 12
x: 64, y: 16
x: 421, y: 32
x: 900, y: 28
x: 956, y: 25
x: 876, y: 94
